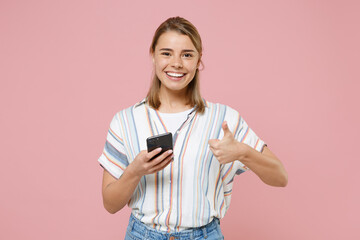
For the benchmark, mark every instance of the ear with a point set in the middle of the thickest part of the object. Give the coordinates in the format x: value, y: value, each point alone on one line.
x: 198, y: 64
x: 199, y: 61
x: 153, y: 58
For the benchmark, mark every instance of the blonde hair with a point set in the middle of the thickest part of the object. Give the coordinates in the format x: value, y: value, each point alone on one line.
x: 184, y: 27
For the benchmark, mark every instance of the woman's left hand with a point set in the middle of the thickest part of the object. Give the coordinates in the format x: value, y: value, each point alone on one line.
x: 228, y: 149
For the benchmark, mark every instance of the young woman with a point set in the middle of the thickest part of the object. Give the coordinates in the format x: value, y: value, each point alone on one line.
x: 180, y: 194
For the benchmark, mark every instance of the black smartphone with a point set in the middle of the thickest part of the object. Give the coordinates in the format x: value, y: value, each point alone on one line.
x: 164, y: 141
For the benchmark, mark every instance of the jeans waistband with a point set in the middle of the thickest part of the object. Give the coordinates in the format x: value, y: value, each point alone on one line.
x: 136, y: 225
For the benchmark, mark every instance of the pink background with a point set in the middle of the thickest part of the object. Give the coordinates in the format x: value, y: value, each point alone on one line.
x: 290, y: 67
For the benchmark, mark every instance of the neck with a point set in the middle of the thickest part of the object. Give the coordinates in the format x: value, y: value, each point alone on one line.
x: 173, y: 101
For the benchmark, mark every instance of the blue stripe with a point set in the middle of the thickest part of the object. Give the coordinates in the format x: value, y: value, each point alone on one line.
x: 119, y: 156
x: 228, y: 192
x: 157, y: 174
x: 208, y: 161
x: 196, y: 191
x: 133, y: 131
x: 229, y: 166
x: 222, y: 109
x: 239, y: 171
x: 236, y: 132
x: 115, y: 137
x: 143, y: 179
x: 243, y: 135
x: 127, y: 139
x: 179, y: 167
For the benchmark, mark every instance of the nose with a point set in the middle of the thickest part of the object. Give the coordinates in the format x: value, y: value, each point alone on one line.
x: 177, y: 62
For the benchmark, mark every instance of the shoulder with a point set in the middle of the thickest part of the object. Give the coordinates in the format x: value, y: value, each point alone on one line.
x: 210, y: 106
x: 128, y: 112
x: 226, y: 113
x: 137, y: 106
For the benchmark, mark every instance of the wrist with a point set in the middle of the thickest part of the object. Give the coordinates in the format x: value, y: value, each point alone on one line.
x: 243, y: 152
x: 131, y: 171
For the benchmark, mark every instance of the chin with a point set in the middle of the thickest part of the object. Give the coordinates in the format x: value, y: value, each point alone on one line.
x: 175, y: 88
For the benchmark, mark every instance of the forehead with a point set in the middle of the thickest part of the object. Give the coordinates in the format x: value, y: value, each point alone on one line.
x: 175, y: 41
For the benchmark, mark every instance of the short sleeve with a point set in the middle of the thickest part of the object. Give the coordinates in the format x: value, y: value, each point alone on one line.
x: 113, y: 158
x: 243, y: 133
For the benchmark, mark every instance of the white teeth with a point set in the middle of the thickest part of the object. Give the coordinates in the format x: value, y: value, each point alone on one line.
x: 175, y: 74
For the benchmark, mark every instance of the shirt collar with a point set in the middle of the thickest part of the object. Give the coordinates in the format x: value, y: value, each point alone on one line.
x: 144, y: 102
x: 140, y: 103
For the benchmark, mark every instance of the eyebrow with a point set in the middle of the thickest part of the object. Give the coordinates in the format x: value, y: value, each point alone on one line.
x: 169, y: 49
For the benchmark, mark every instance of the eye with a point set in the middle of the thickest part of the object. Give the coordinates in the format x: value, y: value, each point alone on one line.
x: 188, y: 55
x: 165, y: 53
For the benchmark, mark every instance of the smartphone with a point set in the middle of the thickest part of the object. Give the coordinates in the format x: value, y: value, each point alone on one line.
x: 164, y: 141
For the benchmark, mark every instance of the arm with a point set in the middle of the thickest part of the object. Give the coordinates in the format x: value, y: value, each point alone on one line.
x: 264, y: 164
x: 117, y: 192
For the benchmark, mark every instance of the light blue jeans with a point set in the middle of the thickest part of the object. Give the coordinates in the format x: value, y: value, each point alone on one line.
x: 137, y: 230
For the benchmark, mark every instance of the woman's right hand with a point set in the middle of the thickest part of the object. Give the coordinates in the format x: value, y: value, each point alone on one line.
x: 117, y: 192
x: 143, y: 163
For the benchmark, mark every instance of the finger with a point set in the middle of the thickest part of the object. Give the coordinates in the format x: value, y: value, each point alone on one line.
x: 214, y: 152
x: 213, y: 142
x: 226, y: 129
x: 162, y: 164
x: 151, y: 154
x: 161, y: 157
x: 166, y: 161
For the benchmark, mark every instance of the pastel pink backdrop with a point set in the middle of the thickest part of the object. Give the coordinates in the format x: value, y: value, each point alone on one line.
x: 290, y: 67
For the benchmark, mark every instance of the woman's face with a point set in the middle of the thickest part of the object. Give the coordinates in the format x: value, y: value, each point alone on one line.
x: 175, y: 61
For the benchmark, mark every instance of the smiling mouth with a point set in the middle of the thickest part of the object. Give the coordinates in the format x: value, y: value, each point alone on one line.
x: 175, y: 75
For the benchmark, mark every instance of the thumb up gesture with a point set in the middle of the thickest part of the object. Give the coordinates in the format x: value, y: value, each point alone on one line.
x: 228, y: 149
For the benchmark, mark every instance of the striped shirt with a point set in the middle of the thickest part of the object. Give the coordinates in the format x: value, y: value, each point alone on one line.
x: 195, y: 187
